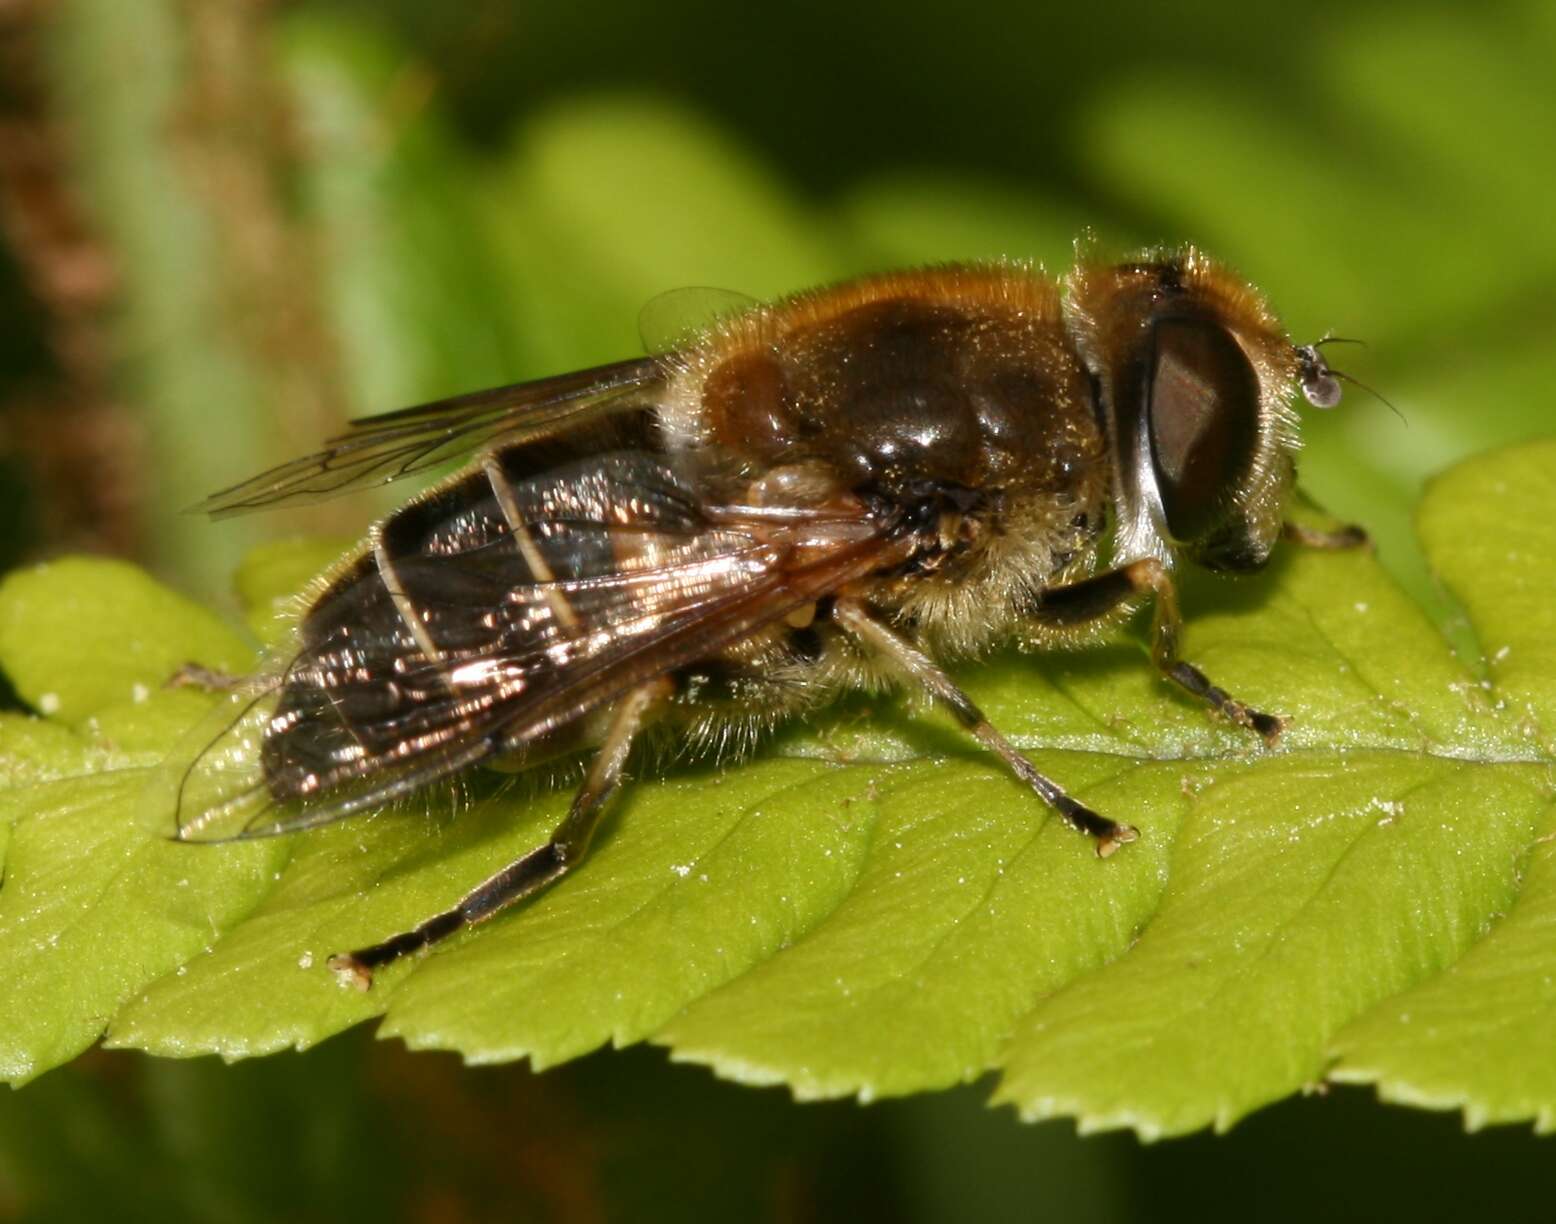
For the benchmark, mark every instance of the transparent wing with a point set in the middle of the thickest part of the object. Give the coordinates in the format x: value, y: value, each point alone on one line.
x: 675, y: 318
x: 379, y: 449
x: 481, y: 634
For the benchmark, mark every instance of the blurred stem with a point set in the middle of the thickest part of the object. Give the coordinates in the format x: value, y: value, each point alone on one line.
x: 181, y: 144
x: 58, y: 413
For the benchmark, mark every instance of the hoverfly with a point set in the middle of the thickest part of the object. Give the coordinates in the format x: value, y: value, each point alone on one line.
x: 836, y: 490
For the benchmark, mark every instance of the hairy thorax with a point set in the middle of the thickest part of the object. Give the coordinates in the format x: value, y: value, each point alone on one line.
x: 951, y: 404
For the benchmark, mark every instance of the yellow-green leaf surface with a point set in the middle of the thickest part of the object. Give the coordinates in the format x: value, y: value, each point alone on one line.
x: 871, y: 906
x: 1479, y: 1035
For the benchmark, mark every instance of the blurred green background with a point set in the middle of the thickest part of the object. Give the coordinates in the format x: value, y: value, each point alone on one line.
x: 230, y: 225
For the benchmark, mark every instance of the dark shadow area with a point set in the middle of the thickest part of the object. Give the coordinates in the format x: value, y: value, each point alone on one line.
x: 836, y: 93
x: 362, y: 1130
x: 25, y: 366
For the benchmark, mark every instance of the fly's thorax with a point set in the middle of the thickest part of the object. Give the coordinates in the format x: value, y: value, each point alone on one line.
x: 952, y: 402
x: 1195, y: 378
x: 959, y: 375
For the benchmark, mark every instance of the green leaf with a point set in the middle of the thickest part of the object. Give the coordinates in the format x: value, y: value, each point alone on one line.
x: 95, y: 907
x: 81, y: 636
x: 1477, y: 1036
x: 871, y: 906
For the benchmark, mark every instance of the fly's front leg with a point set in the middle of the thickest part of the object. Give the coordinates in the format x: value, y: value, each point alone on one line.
x: 1090, y: 599
x: 538, y: 868
x: 1338, y: 540
x: 914, y: 664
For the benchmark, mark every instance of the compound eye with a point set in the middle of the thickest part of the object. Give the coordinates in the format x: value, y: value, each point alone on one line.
x: 1203, y: 411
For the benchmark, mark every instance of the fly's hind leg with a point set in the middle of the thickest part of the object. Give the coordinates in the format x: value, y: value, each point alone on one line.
x: 537, y: 869
x: 915, y: 665
x: 198, y: 675
x: 1091, y: 599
